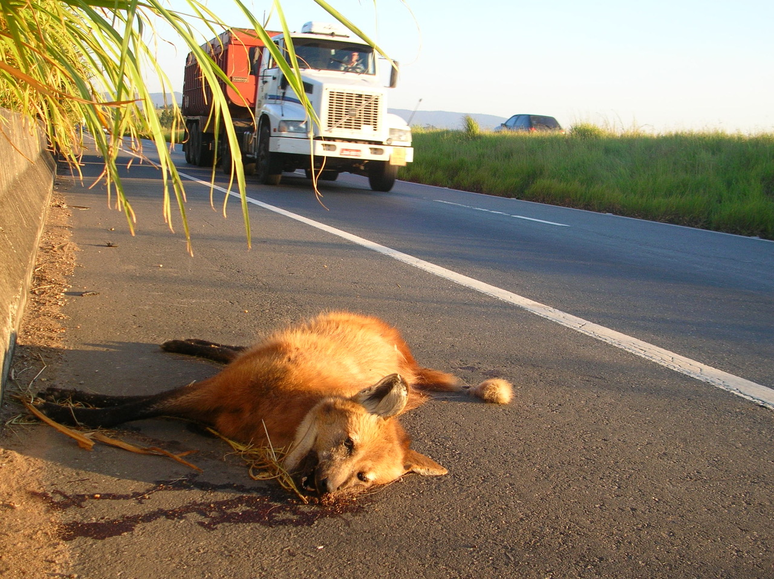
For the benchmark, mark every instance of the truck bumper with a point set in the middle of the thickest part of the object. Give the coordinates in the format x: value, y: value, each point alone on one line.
x: 340, y: 150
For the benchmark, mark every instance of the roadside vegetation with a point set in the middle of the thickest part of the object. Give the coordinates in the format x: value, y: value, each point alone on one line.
x: 75, y: 64
x: 710, y: 180
x: 170, y: 127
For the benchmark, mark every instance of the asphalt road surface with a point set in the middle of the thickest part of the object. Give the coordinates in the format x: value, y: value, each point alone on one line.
x: 608, y: 463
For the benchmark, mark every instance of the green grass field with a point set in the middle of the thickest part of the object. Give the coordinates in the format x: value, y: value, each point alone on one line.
x: 708, y: 180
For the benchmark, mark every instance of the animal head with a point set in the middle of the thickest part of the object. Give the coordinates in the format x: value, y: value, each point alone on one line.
x: 347, y: 445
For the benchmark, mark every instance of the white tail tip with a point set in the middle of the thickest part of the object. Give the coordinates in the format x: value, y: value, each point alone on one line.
x: 494, y: 391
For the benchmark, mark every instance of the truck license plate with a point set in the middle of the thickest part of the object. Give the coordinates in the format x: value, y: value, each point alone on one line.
x: 398, y: 157
x: 350, y: 152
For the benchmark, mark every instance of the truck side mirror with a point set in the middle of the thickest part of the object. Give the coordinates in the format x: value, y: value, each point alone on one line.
x: 394, y: 74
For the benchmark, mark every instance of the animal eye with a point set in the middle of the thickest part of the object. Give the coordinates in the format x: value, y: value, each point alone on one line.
x: 363, y: 477
x: 349, y: 444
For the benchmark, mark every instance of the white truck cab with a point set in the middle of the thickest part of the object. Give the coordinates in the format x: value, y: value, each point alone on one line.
x: 355, y: 133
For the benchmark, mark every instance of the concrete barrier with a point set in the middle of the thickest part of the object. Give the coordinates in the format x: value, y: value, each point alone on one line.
x: 27, y: 172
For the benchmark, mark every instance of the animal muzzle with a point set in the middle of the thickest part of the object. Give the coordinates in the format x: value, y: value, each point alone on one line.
x: 313, y: 477
x: 309, y: 475
x: 322, y: 482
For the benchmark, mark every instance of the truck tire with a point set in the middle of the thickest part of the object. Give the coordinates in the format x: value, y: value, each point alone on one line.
x: 199, y: 145
x: 195, y: 144
x: 187, y: 143
x: 381, y: 175
x: 190, y: 145
x: 206, y: 154
x: 225, y: 158
x: 267, y: 165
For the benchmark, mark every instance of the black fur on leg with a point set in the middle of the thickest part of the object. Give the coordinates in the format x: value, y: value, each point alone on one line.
x: 68, y: 396
x: 118, y: 409
x: 109, y: 411
x: 203, y: 349
x: 96, y: 417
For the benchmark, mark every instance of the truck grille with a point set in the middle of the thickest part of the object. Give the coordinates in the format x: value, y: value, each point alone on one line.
x: 351, y: 111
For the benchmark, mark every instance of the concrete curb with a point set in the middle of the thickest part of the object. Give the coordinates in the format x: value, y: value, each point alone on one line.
x: 26, y: 183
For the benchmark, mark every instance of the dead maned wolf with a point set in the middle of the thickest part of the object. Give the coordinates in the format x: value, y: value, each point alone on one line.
x: 329, y: 390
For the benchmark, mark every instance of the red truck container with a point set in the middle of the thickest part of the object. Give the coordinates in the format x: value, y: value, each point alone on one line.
x: 238, y: 53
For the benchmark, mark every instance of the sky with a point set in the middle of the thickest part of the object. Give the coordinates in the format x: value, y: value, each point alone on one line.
x: 654, y: 65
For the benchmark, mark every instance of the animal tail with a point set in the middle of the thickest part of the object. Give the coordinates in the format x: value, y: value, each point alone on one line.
x: 436, y: 381
x: 494, y: 391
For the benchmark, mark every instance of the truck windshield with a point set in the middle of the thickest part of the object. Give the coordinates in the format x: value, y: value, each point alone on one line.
x: 331, y: 55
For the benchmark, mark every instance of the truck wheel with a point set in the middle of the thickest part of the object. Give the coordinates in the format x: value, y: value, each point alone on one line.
x: 381, y: 175
x: 190, y: 146
x: 225, y: 158
x: 195, y: 144
x: 206, y: 155
x: 199, y: 146
x: 267, y: 167
x: 187, y: 143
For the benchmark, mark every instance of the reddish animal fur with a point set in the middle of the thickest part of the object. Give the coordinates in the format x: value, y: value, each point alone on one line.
x: 329, y: 390
x: 279, y: 380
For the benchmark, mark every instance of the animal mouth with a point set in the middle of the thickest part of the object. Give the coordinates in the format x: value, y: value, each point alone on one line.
x: 306, y: 472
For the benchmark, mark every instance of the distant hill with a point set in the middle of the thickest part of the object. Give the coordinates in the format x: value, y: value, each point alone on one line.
x: 158, y: 98
x: 446, y: 120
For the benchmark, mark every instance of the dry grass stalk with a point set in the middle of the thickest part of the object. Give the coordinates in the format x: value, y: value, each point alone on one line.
x: 264, y: 462
x: 86, y: 440
x: 82, y: 440
x: 153, y: 450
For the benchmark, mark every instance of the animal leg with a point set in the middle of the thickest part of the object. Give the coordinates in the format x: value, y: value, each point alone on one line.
x: 203, y: 349
x: 99, y: 417
x: 68, y: 396
x: 179, y: 403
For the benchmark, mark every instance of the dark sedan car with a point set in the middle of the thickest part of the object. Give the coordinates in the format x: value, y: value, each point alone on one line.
x: 530, y: 123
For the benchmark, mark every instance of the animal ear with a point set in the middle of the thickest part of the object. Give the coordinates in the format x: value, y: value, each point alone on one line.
x: 421, y: 464
x: 386, y: 398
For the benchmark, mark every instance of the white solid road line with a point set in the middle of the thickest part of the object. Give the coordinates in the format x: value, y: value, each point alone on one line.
x: 741, y: 387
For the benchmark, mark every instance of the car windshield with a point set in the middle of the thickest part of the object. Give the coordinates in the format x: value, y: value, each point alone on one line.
x: 331, y: 55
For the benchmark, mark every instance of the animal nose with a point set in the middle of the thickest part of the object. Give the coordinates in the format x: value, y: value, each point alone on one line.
x: 324, y: 483
x: 321, y: 481
x: 323, y: 486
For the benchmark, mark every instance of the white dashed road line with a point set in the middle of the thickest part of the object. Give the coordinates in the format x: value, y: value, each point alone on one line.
x: 474, y: 208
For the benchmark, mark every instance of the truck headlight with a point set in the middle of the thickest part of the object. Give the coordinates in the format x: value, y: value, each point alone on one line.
x: 296, y: 127
x: 400, y: 135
